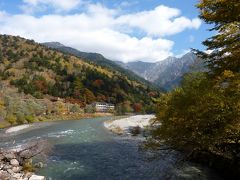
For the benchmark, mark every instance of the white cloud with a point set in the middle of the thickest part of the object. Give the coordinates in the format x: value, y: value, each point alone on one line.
x: 99, y: 29
x: 161, y: 21
x: 30, y: 6
x: 3, y: 14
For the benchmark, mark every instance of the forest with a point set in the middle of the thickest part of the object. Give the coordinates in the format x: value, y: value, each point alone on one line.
x: 31, y: 69
x: 202, y: 117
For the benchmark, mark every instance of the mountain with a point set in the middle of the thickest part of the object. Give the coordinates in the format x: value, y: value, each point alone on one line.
x: 138, y: 67
x: 43, y: 72
x: 99, y: 60
x: 166, y: 73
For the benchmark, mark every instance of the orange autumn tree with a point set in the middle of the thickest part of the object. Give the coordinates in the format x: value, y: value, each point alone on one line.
x: 137, y: 107
x: 98, y: 83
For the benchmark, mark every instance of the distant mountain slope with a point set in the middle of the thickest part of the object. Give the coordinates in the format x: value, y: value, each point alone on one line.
x: 167, y: 73
x: 99, y: 60
x: 138, y: 67
x: 37, y: 70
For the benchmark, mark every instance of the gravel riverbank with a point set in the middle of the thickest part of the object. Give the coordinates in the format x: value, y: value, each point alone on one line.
x: 17, y: 128
x: 126, y: 125
x: 13, y: 165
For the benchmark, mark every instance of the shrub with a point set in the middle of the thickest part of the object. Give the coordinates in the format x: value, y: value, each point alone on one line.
x: 76, y: 109
x: 12, y: 119
x: 20, y: 118
x: 30, y: 118
x: 135, y: 131
x: 89, y: 109
x: 28, y: 166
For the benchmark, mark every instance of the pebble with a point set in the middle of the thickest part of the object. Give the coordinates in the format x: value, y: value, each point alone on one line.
x: 14, y: 162
x: 35, y: 177
x: 1, y: 157
x: 16, y: 169
x: 6, y: 167
x: 4, y: 174
x: 39, y: 165
x: 28, y: 175
x: 9, y: 156
x: 10, y: 171
x: 17, y: 175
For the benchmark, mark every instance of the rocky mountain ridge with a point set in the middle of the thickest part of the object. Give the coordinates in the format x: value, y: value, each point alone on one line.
x: 166, y: 73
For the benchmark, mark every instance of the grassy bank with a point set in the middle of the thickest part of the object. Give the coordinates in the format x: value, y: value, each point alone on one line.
x: 51, y: 118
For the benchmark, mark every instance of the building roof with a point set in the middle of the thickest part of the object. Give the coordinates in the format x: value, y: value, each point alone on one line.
x: 109, y: 104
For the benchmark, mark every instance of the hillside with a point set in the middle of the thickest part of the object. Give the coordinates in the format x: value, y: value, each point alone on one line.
x: 44, y: 73
x: 166, y: 73
x: 99, y: 60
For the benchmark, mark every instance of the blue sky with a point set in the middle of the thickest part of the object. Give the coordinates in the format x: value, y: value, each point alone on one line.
x: 120, y: 30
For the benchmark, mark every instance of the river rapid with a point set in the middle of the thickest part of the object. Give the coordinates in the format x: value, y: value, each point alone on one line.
x: 86, y: 150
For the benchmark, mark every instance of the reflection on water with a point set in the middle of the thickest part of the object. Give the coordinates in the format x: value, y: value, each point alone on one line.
x: 86, y: 150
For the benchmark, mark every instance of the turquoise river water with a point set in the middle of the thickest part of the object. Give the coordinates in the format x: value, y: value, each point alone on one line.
x: 86, y: 150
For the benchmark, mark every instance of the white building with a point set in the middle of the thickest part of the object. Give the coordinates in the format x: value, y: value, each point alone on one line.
x: 103, y: 107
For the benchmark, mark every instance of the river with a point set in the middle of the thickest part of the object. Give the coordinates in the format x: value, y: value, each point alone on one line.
x: 86, y: 150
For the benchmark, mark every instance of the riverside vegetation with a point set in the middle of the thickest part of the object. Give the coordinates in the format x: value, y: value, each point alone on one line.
x: 202, y: 116
x: 38, y: 83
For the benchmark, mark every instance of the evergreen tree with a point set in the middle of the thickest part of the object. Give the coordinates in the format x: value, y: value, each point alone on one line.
x: 224, y: 15
x: 1, y: 56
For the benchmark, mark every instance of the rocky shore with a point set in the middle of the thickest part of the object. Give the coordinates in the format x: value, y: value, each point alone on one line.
x: 131, y: 125
x: 16, y: 164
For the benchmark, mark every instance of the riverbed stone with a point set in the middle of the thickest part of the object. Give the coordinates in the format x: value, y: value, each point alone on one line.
x: 6, y: 167
x: 11, y: 166
x: 23, y: 179
x: 1, y: 157
x: 14, y: 162
x: 17, y: 175
x: 10, y: 171
x: 25, y: 154
x: 4, y: 175
x: 39, y: 165
x: 10, y: 156
x: 35, y: 177
x: 20, y: 160
x: 28, y: 174
x: 17, y: 169
x: 1, y: 165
